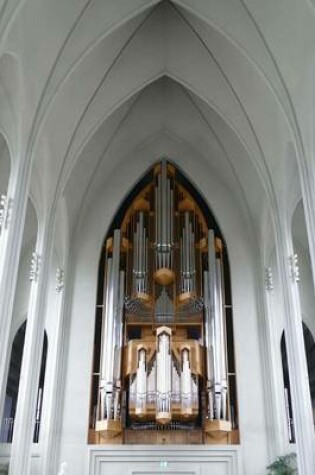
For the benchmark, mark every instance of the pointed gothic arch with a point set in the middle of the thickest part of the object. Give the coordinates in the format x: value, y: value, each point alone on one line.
x: 12, y: 388
x: 310, y: 358
x: 163, y: 346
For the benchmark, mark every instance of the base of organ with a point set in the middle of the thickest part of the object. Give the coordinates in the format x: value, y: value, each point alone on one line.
x: 112, y: 428
x: 162, y: 371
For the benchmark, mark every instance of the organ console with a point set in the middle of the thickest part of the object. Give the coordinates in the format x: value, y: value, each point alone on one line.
x: 162, y: 362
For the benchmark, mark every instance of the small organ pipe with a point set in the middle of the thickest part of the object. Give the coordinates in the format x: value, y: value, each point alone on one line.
x: 186, y: 382
x: 141, y: 383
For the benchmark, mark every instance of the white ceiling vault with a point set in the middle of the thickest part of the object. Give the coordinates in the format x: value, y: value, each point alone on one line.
x: 86, y: 84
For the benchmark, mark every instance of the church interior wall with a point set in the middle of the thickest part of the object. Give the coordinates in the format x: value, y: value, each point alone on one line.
x: 104, y: 96
x: 81, y: 319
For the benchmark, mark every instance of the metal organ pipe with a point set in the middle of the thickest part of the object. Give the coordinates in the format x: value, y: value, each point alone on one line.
x: 163, y: 380
x: 164, y: 219
x: 140, y: 257
x: 215, y: 335
x: 108, y: 334
x: 188, y: 257
x: 141, y: 383
x: 186, y: 383
x: 222, y: 338
x: 209, y: 341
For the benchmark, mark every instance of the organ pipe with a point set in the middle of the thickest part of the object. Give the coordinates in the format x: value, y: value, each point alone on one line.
x: 140, y: 258
x: 215, y: 335
x: 141, y: 383
x: 164, y: 219
x: 163, y: 380
x: 186, y: 383
x: 187, y: 257
x: 108, y: 335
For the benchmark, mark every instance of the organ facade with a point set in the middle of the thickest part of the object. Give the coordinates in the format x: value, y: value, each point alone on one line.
x: 163, y: 368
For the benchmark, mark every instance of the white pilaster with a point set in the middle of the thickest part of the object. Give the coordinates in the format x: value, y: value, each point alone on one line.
x: 277, y: 419
x: 48, y: 464
x: 308, y: 191
x: 13, y: 219
x: 32, y: 355
x: 301, y: 403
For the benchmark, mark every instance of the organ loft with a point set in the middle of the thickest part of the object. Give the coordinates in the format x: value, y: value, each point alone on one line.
x: 163, y: 369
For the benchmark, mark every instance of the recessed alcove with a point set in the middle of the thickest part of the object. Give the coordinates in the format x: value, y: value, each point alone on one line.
x: 172, y: 287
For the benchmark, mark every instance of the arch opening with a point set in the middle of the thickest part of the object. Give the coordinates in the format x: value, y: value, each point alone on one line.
x: 12, y: 389
x: 309, y: 343
x: 163, y: 369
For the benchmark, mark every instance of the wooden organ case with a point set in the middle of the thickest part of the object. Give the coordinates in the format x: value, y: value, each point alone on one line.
x: 163, y: 367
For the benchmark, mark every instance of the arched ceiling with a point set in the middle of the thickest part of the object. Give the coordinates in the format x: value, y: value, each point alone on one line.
x: 229, y: 80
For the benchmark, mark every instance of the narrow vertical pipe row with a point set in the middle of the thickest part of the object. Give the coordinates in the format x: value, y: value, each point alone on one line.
x: 105, y: 330
x: 156, y: 223
x: 120, y: 326
x: 108, y: 336
x: 163, y: 207
x: 172, y: 217
x: 141, y: 247
x: 215, y: 318
x: 209, y: 337
x: 222, y: 337
x: 159, y: 241
x: 186, y: 231
x: 146, y: 285
x: 193, y: 263
x: 135, y: 250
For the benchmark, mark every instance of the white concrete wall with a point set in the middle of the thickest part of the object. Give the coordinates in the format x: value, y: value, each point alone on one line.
x: 81, y: 318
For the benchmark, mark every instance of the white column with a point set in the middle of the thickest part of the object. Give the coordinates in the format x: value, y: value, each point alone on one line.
x: 278, y: 433
x: 48, y: 435
x: 10, y: 248
x: 308, y: 190
x: 301, y: 402
x: 32, y: 354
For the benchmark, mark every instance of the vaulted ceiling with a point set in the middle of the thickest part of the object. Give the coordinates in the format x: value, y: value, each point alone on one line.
x: 86, y: 85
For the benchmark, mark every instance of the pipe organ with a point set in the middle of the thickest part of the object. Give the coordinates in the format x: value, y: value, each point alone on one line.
x: 162, y: 359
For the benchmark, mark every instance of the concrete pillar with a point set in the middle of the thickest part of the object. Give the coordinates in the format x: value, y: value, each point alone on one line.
x: 10, y: 250
x: 32, y: 355
x: 278, y: 433
x: 301, y: 402
x: 48, y: 464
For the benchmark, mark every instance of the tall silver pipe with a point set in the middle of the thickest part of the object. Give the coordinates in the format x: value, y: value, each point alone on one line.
x: 105, y: 319
x: 215, y: 328
x: 156, y: 194
x: 164, y: 220
x: 215, y: 316
x: 193, y: 259
x: 140, y: 265
x: 187, y: 256
x: 209, y: 340
x: 221, y: 336
x: 140, y: 234
x: 108, y: 335
x: 120, y: 327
